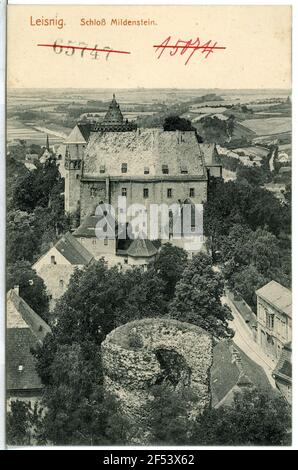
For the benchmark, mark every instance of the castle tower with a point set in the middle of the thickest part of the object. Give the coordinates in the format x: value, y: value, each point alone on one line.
x: 75, y: 145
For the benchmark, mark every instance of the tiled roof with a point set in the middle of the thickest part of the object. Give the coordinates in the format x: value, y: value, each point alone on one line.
x: 231, y: 371
x: 283, y: 369
x: 141, y: 248
x: 87, y: 228
x: 25, y: 329
x: 277, y: 295
x: 143, y: 148
x: 20, y: 315
x: 73, y: 251
x: 19, y: 343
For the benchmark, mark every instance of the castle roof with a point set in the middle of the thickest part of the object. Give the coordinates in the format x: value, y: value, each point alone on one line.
x: 113, y: 115
x: 278, y: 296
x: 79, y: 134
x: 141, y: 248
x: 88, y: 226
x: 153, y: 149
x: 25, y: 329
x: 73, y: 250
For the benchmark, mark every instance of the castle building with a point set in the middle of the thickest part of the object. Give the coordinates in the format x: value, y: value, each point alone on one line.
x: 146, y: 166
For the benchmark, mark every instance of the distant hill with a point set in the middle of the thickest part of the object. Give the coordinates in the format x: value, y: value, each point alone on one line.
x: 214, y: 129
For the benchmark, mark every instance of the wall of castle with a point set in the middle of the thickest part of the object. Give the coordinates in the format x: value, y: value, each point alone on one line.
x: 97, y: 247
x: 130, y: 371
x: 91, y: 194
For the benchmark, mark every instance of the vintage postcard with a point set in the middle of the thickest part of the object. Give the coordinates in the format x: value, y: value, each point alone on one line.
x: 148, y: 202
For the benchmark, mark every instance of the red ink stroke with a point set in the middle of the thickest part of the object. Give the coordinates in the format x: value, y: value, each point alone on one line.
x: 187, y: 46
x: 85, y: 48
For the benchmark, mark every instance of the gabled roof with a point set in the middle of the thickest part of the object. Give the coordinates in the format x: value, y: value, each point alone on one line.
x: 278, y: 296
x: 141, y: 248
x: 25, y: 329
x: 20, y: 315
x: 73, y: 251
x: 79, y: 134
x: 87, y: 228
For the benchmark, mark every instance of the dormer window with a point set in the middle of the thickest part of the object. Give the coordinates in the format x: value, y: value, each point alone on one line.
x: 102, y: 169
x: 124, y: 168
x: 165, y: 169
x: 146, y: 170
x: 20, y: 368
x: 184, y: 170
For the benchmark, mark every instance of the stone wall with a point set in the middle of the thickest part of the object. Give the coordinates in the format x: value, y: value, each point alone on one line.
x: 130, y: 371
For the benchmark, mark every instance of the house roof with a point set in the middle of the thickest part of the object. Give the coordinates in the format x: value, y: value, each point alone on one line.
x: 233, y: 371
x: 277, y: 295
x: 141, y: 248
x: 151, y: 148
x: 25, y: 329
x: 87, y: 228
x: 283, y: 368
x: 73, y: 250
x: 19, y: 343
x: 20, y: 315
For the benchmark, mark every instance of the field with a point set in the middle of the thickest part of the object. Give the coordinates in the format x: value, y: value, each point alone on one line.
x: 270, y: 126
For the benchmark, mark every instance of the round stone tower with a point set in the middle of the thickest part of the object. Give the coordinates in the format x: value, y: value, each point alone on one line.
x: 144, y: 353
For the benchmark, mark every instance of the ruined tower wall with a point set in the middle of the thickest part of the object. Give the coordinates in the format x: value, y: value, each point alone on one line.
x: 130, y: 372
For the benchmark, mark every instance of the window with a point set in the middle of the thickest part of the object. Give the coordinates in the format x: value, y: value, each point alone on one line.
x: 93, y: 241
x: 124, y: 192
x: 165, y: 169
x: 53, y: 261
x: 184, y: 170
x: 145, y: 192
x: 146, y: 170
x: 61, y: 283
x: 102, y: 169
x: 270, y: 320
x: 191, y: 192
x: 77, y: 177
x: 169, y: 192
x: 124, y: 168
x: 106, y: 241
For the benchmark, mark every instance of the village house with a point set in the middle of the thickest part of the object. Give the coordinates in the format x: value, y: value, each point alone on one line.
x: 25, y: 331
x: 274, y: 318
x: 57, y: 265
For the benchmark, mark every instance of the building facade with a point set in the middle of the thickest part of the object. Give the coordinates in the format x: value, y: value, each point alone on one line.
x: 274, y: 318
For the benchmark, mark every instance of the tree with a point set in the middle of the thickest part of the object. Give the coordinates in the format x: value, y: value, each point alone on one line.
x: 173, y: 123
x: 23, y: 423
x: 168, y: 414
x: 254, y: 418
x: 23, y: 240
x: 32, y: 287
x: 169, y: 264
x: 198, y: 298
x: 245, y: 282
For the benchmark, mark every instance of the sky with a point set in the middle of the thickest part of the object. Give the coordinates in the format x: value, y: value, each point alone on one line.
x: 257, y: 41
